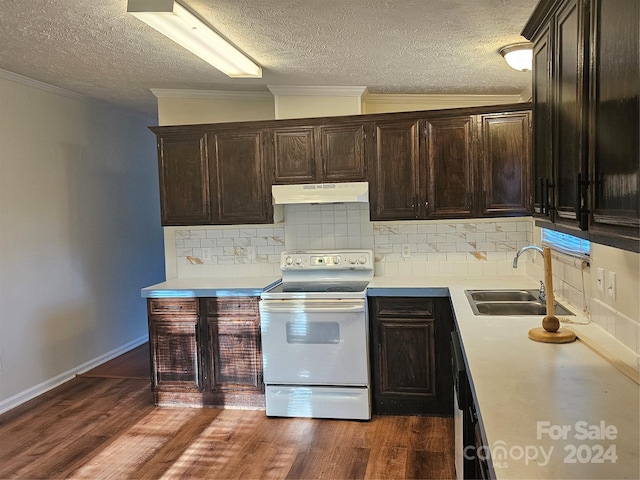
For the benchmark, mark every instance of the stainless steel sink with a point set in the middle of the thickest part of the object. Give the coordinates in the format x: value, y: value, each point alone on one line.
x: 510, y: 302
x: 502, y: 295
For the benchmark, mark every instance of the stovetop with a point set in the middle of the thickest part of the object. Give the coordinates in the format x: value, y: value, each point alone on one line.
x: 323, y: 274
x: 320, y: 287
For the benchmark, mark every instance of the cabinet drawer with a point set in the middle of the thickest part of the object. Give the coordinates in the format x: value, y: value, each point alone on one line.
x: 403, y: 307
x: 175, y: 306
x: 240, y: 306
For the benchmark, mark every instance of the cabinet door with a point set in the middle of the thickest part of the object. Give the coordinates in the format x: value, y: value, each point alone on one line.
x: 395, y: 189
x: 406, y: 357
x: 184, y: 179
x: 342, y: 153
x: 542, y: 172
x: 504, y: 163
x: 615, y: 82
x: 174, y: 354
x: 294, y: 155
x: 568, y: 79
x: 236, y: 356
x: 238, y: 182
x: 449, y: 160
x: 411, y: 355
x: 234, y: 351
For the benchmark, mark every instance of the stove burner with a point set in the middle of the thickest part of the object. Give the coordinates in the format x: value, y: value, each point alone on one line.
x: 345, y: 288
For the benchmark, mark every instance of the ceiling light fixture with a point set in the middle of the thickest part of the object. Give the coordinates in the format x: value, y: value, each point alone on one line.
x: 180, y: 25
x: 519, y: 56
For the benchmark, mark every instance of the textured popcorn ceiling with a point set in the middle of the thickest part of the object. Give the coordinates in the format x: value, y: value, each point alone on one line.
x: 95, y: 48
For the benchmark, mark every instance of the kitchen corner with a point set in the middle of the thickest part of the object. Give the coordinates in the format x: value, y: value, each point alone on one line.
x: 546, y: 410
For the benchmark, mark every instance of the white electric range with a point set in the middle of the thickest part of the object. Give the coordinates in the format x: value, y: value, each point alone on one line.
x: 315, y: 336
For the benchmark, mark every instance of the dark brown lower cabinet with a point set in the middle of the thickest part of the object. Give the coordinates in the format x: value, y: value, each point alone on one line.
x: 234, y: 352
x: 206, y: 352
x: 411, y: 355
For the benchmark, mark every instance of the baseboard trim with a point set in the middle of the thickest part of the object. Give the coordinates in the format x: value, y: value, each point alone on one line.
x: 30, y: 393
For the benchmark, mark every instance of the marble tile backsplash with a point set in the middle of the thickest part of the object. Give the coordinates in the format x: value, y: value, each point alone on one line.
x: 223, y: 252
x: 408, y: 248
x: 449, y: 247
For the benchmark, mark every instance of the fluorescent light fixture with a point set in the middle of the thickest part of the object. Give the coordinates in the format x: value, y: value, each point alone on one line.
x: 519, y: 56
x: 180, y: 25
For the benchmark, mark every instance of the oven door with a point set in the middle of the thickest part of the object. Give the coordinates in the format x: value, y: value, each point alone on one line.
x: 315, y: 342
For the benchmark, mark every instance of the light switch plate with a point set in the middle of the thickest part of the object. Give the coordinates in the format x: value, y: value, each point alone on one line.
x: 600, y: 280
x: 611, y: 288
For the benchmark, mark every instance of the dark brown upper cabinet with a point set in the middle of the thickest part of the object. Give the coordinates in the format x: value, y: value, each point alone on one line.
x: 419, y: 165
x: 395, y: 188
x: 319, y: 154
x: 450, y: 165
x: 343, y: 152
x: 504, y: 163
x: 294, y: 155
x: 558, y: 95
x: 237, y: 179
x: 567, y: 82
x: 210, y: 177
x: 614, y: 109
x: 184, y: 178
x: 586, y: 84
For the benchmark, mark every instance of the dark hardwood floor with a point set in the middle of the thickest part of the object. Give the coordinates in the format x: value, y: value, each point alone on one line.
x: 106, y: 426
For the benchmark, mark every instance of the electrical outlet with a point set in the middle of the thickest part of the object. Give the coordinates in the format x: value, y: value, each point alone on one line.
x: 600, y: 280
x: 206, y: 254
x: 612, y: 285
x: 406, y: 250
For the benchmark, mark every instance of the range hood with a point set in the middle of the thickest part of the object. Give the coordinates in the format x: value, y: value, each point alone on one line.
x: 321, y: 193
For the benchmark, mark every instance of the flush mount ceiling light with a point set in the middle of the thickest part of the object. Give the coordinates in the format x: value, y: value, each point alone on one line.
x: 180, y: 25
x: 519, y: 56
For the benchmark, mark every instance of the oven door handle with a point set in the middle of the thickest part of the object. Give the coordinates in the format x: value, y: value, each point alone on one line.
x: 315, y: 309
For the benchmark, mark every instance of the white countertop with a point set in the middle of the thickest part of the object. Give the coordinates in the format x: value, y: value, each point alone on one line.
x: 209, y: 287
x: 526, y: 390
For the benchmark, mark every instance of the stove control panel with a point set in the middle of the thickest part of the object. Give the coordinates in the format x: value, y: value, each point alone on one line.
x: 333, y: 259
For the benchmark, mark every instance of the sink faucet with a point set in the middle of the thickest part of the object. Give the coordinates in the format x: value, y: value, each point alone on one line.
x: 524, y: 249
x: 543, y: 291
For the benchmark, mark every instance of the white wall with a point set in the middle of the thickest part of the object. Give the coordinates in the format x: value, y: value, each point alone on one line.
x: 185, y: 107
x: 80, y: 234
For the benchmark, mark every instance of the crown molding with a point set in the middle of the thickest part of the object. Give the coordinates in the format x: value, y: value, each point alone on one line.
x: 316, y: 91
x: 14, y: 77
x: 216, y: 94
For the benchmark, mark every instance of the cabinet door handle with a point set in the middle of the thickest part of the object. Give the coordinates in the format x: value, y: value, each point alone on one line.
x: 581, y: 212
